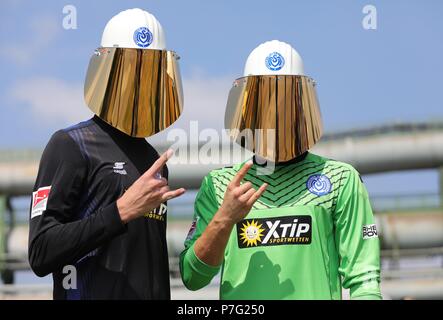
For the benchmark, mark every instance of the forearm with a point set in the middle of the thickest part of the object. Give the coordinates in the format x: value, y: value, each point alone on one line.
x: 201, y: 261
x: 62, y: 244
x: 210, y: 246
x: 205, y: 249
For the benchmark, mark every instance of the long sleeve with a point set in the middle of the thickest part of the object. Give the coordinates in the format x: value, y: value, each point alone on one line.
x: 57, y: 235
x: 195, y: 273
x: 357, y: 240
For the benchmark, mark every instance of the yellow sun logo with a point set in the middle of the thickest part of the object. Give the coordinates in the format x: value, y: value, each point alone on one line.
x: 251, y: 233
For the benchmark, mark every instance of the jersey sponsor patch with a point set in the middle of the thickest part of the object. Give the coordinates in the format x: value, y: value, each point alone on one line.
x: 192, y: 229
x: 39, y: 201
x: 370, y: 231
x: 158, y: 213
x: 319, y: 184
x: 274, y: 231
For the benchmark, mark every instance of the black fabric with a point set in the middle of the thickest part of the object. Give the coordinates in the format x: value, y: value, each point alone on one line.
x: 88, y: 167
x: 263, y: 162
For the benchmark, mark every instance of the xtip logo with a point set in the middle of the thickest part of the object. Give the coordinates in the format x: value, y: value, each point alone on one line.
x: 274, y: 231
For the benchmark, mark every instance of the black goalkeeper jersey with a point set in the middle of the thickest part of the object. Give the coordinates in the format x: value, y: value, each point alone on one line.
x: 74, y: 221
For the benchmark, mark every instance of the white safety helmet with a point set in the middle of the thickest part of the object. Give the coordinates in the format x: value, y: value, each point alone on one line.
x: 273, y: 109
x: 134, y: 28
x: 274, y: 58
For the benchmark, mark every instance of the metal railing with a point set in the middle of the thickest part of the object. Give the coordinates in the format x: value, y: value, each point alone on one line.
x: 393, y: 128
x: 405, y: 202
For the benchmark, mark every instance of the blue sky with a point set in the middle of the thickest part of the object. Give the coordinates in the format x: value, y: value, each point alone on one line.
x: 365, y: 77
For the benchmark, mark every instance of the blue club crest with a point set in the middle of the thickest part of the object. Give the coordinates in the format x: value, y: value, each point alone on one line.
x: 319, y: 184
x: 143, y: 37
x: 275, y: 61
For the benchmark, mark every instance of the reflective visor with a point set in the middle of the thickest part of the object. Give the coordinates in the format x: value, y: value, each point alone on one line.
x: 137, y: 91
x: 276, y: 117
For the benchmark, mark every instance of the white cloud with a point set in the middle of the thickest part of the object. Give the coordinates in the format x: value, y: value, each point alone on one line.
x: 205, y: 99
x: 52, y: 100
x: 45, y: 30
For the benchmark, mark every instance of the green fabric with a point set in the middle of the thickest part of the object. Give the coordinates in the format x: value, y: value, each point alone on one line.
x: 198, y: 274
x: 316, y: 247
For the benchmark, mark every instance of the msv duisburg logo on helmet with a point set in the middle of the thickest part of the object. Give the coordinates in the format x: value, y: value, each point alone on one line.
x: 143, y: 37
x: 275, y: 61
x: 319, y: 184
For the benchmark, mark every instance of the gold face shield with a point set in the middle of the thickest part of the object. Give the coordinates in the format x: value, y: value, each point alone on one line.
x: 137, y: 91
x: 276, y: 117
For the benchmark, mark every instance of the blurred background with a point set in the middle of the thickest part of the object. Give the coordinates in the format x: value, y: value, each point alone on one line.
x: 378, y: 65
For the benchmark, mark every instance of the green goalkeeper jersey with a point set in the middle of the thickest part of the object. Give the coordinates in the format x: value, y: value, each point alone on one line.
x: 310, y: 233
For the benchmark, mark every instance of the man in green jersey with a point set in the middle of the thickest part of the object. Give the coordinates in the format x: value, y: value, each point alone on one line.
x: 298, y: 226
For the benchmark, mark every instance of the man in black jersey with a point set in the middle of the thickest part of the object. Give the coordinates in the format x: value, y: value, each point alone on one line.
x: 99, y: 202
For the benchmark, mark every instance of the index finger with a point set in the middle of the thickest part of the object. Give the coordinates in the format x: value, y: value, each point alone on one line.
x: 158, y: 165
x: 242, y: 172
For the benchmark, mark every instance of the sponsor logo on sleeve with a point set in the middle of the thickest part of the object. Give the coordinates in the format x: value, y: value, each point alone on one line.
x: 192, y: 229
x: 39, y: 201
x: 370, y: 231
x: 274, y: 231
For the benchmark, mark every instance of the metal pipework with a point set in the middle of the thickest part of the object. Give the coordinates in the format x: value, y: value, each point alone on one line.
x: 382, y: 149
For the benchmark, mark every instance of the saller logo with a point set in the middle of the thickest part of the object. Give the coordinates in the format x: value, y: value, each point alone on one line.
x: 274, y: 231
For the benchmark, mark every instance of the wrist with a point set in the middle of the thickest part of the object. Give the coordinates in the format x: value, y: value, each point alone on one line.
x: 223, y: 219
x: 124, y: 213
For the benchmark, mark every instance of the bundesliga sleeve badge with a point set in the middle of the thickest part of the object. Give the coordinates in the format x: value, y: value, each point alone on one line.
x: 39, y: 201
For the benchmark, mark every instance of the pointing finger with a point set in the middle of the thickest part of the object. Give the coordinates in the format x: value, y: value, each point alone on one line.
x: 161, y: 161
x: 241, y: 173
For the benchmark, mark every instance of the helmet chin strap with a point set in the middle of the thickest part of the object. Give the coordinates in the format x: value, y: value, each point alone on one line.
x: 262, y: 162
